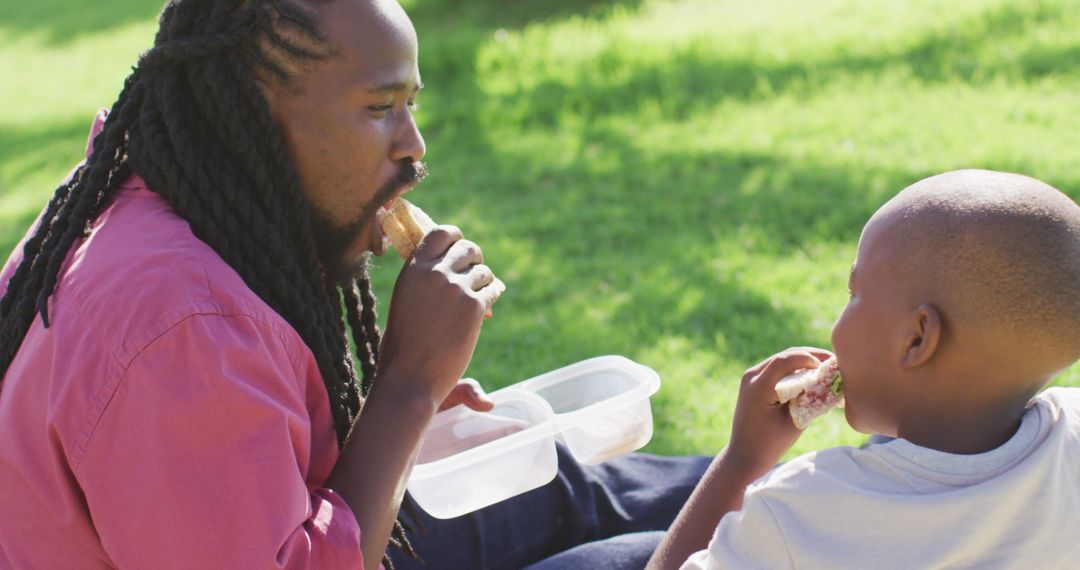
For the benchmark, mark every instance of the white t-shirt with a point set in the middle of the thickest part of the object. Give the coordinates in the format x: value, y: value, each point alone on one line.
x: 898, y: 505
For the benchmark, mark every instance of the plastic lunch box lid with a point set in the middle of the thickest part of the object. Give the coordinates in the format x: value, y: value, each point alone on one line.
x: 649, y: 384
x: 525, y: 391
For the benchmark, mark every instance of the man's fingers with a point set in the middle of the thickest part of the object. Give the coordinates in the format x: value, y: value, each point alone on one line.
x: 491, y: 293
x: 437, y: 242
x: 479, y: 276
x: 475, y: 397
x: 468, y: 392
x: 462, y: 255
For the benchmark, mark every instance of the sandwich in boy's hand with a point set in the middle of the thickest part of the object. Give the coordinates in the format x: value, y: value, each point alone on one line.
x: 405, y: 225
x: 811, y: 392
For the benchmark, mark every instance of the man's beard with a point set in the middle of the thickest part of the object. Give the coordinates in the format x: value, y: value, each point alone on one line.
x: 332, y: 242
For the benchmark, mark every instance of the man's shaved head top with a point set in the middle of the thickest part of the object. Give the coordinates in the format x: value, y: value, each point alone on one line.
x: 997, y: 253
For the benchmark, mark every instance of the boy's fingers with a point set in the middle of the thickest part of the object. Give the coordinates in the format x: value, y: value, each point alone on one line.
x: 786, y: 363
x: 819, y: 353
x: 756, y: 369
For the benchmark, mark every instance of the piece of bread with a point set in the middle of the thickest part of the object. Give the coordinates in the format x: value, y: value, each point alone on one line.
x: 405, y: 225
x: 811, y: 392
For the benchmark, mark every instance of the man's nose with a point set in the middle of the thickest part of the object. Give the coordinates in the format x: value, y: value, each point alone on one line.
x: 409, y: 143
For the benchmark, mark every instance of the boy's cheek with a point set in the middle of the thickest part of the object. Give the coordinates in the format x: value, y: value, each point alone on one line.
x: 840, y: 331
x: 851, y: 414
x: 863, y: 415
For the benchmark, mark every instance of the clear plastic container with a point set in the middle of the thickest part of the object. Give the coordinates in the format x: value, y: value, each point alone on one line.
x: 470, y: 459
x: 598, y: 407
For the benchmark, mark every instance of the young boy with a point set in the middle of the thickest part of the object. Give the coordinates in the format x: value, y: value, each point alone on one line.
x: 965, y: 302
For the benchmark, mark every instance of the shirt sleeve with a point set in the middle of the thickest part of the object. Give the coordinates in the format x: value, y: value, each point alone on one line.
x: 750, y: 538
x: 199, y: 459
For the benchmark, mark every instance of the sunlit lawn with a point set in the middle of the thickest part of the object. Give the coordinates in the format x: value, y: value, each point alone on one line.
x: 681, y: 182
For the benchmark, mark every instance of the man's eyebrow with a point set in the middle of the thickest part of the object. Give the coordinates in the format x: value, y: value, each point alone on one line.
x: 394, y: 88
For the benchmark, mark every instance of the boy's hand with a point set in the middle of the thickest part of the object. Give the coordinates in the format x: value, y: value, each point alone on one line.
x: 436, y: 311
x: 762, y: 430
x: 760, y: 435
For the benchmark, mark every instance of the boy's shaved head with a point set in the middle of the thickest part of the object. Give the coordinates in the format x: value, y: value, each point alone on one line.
x: 999, y: 255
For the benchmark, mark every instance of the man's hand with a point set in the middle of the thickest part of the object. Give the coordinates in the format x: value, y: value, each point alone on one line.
x: 436, y: 311
x: 435, y: 315
x: 762, y: 430
x: 469, y: 393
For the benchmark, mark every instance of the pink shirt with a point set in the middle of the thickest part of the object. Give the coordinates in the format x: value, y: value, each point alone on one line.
x: 168, y: 418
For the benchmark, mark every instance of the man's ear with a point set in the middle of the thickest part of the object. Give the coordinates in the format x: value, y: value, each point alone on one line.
x: 922, y: 336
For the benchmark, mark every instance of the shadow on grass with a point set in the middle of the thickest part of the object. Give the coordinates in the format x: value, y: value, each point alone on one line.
x: 487, y: 15
x: 28, y: 150
x: 620, y: 249
x: 617, y: 261
x: 619, y: 239
x: 12, y: 230
x: 63, y: 21
x: 25, y: 154
x: 696, y: 77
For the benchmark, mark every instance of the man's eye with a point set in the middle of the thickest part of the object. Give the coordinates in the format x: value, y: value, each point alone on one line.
x: 381, y: 108
x: 414, y: 106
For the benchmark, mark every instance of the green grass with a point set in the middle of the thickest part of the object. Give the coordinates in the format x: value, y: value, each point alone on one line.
x: 680, y: 182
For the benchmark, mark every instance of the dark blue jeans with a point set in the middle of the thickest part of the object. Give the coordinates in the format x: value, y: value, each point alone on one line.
x: 604, y: 516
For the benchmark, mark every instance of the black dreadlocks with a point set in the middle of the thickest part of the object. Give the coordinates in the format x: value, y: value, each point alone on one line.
x: 190, y: 120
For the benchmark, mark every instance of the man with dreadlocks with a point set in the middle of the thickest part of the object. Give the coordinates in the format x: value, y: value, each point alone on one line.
x: 178, y: 389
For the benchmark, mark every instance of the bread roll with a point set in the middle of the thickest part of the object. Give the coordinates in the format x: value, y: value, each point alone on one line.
x: 405, y: 225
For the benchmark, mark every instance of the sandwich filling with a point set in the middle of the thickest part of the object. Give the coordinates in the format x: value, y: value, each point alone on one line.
x: 811, y: 392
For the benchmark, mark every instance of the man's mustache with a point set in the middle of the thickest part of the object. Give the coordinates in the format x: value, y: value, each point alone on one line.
x: 410, y: 174
x: 333, y: 241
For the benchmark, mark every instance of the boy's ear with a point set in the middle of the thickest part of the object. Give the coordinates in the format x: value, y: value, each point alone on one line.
x: 922, y: 336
